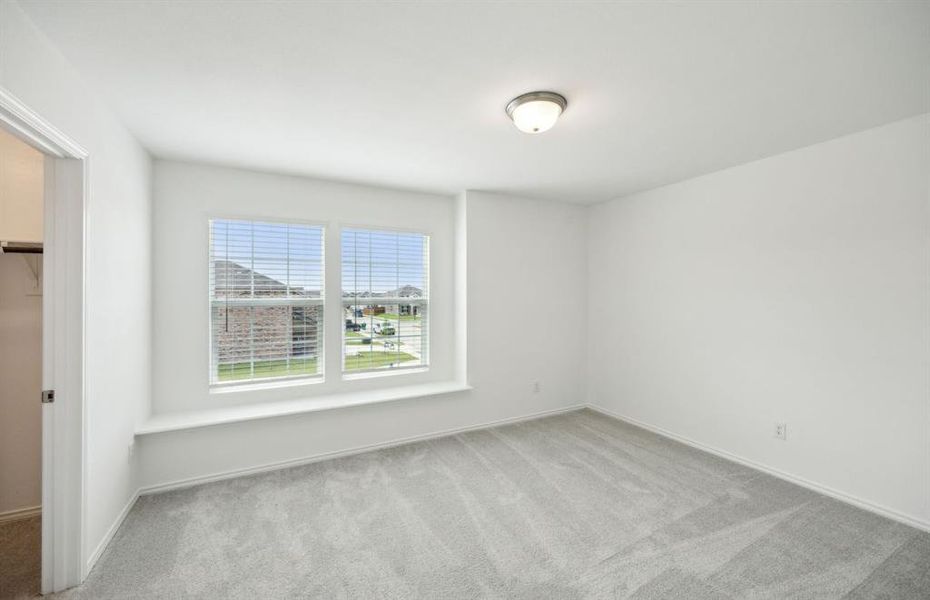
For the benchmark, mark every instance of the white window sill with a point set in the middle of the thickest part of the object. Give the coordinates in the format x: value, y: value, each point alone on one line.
x: 266, y: 384
x: 375, y: 374
x: 179, y: 421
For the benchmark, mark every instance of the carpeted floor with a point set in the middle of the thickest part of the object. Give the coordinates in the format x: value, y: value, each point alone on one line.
x: 572, y: 506
x: 20, y: 558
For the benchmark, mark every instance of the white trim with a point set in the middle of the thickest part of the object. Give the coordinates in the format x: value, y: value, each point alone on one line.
x: 285, y: 464
x: 63, y: 443
x: 177, y: 421
x: 19, y: 514
x: 36, y: 131
x: 383, y: 228
x: 111, y: 532
x: 265, y: 301
x: 267, y: 383
x: 376, y: 374
x: 381, y: 300
x: 805, y: 483
x: 460, y: 295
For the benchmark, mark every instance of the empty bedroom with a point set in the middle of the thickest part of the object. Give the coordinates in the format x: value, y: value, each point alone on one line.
x: 429, y: 300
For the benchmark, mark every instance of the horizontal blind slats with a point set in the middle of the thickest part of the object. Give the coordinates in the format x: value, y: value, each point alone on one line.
x: 385, y: 300
x: 266, y: 298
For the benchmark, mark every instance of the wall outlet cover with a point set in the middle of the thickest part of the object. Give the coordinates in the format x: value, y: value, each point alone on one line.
x: 781, y: 431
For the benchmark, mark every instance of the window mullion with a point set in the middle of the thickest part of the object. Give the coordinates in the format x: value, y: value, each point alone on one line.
x: 252, y: 310
x: 289, y: 310
x: 397, y: 287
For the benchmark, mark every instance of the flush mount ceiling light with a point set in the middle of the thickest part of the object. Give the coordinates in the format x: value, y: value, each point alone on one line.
x: 536, y: 112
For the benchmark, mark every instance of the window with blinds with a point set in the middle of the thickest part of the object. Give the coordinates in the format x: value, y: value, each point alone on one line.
x: 385, y: 300
x: 266, y: 301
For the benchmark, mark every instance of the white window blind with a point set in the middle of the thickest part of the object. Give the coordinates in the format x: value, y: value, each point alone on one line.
x: 266, y: 300
x: 385, y: 300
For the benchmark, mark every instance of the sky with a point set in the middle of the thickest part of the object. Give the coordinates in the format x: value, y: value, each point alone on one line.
x: 292, y: 253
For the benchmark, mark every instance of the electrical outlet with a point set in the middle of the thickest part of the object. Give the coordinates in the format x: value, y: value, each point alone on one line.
x: 781, y: 431
x: 535, y: 387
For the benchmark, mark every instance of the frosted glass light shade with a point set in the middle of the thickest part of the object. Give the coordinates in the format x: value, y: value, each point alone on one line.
x: 537, y: 111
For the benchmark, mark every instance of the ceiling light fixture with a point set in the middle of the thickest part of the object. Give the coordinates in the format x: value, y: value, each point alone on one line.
x: 536, y: 112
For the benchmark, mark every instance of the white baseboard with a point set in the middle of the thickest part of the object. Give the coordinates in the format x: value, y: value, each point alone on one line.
x: 192, y: 481
x: 20, y: 513
x: 806, y: 483
x: 98, y: 552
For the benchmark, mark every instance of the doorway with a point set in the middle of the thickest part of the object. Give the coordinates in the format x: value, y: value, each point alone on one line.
x: 22, y: 183
x: 41, y: 293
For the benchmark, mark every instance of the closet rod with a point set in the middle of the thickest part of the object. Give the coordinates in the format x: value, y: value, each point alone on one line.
x: 20, y: 247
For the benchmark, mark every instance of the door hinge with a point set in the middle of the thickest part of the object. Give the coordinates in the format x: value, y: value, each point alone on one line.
x: 48, y: 396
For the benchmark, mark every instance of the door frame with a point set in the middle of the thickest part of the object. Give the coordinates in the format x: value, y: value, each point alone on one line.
x: 63, y: 422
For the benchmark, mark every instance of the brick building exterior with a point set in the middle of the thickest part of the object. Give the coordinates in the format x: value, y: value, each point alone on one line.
x: 246, y: 333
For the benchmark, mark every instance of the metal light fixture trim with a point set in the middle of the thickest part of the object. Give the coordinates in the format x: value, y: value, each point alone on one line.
x: 541, y: 96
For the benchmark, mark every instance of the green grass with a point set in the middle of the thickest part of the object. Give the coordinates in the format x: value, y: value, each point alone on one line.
x: 355, y: 338
x: 398, y: 317
x: 266, y: 368
x: 373, y: 360
x: 308, y: 366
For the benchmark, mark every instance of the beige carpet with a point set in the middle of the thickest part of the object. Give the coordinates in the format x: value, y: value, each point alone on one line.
x: 20, y: 558
x: 573, y: 506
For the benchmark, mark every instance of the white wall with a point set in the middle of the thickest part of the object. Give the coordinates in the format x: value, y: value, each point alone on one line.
x: 21, y: 377
x: 517, y: 250
x: 793, y: 289
x: 188, y: 195
x: 527, y: 313
x: 117, y: 266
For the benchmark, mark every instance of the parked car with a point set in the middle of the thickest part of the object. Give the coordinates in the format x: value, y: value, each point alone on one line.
x: 384, y: 329
x: 352, y: 325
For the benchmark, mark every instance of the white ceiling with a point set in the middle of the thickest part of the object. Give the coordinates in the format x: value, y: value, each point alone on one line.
x: 412, y: 95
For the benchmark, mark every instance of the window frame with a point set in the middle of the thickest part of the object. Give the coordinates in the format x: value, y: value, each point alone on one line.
x: 331, y: 281
x: 213, y: 383
x: 426, y: 339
